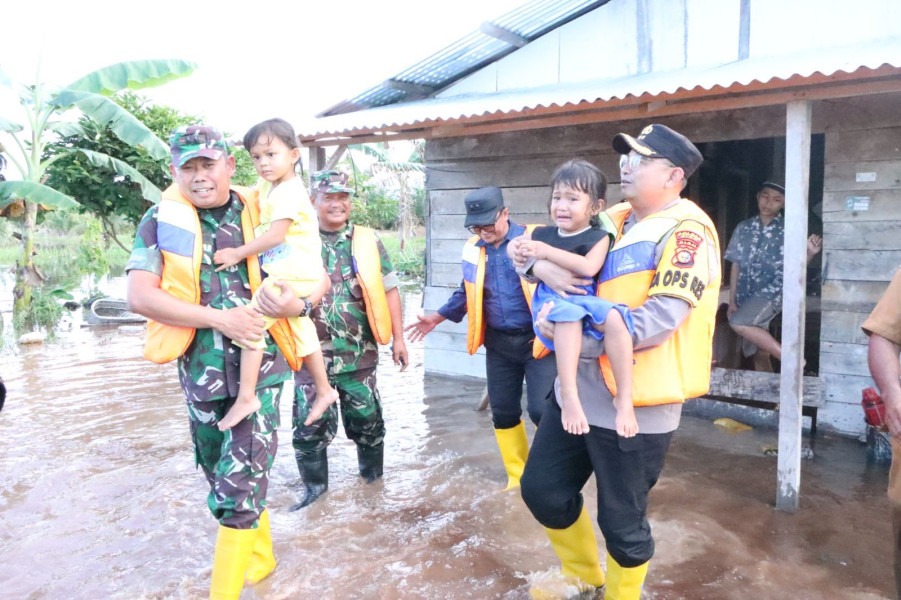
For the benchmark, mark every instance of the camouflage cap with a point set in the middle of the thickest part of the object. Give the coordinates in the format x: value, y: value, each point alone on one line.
x: 330, y: 182
x: 191, y: 141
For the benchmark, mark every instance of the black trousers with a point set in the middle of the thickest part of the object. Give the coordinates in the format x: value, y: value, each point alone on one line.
x: 626, y: 469
x: 508, y: 358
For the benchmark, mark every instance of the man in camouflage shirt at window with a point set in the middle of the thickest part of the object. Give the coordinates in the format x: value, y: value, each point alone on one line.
x: 362, y: 307
x: 755, y: 284
x: 195, y: 312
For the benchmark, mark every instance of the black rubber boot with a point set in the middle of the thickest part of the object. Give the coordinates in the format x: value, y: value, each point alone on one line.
x: 314, y: 472
x: 370, y: 459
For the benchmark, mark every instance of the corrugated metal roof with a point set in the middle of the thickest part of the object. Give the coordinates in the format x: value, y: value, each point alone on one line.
x: 716, y: 79
x: 470, y: 53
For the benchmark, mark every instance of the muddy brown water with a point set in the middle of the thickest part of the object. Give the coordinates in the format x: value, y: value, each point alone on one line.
x: 100, y: 499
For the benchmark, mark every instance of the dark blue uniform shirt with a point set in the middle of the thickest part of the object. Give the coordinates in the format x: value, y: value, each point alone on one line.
x: 503, y: 304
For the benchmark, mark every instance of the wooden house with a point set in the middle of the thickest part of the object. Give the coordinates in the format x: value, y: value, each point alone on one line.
x: 808, y: 93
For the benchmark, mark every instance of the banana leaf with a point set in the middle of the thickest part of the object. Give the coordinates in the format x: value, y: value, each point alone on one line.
x: 10, y: 191
x: 133, y: 75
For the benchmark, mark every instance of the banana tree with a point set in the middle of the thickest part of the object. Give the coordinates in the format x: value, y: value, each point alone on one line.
x: 402, y: 174
x: 47, y: 113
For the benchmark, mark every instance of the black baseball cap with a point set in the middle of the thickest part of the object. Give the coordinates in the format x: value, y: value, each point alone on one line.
x: 483, y: 206
x: 659, y: 141
x: 773, y: 186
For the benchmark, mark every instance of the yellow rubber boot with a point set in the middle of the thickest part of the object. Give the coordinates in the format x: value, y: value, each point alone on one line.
x: 262, y: 560
x: 514, y: 447
x: 577, y: 549
x: 233, y: 549
x: 624, y: 583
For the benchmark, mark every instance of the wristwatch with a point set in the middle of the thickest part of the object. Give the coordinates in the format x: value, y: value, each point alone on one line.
x: 307, y: 307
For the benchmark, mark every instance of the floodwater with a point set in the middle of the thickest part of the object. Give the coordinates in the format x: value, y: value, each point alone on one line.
x: 100, y: 499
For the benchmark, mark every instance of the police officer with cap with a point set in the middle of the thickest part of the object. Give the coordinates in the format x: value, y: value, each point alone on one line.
x: 497, y: 303
x: 666, y: 268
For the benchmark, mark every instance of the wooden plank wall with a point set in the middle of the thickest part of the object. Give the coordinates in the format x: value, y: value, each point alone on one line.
x: 862, y: 247
x: 862, y: 250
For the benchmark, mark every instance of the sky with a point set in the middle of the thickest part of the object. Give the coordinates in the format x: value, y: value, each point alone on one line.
x: 256, y: 60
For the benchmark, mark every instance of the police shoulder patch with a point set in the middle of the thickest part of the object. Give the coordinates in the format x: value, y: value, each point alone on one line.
x: 687, y: 244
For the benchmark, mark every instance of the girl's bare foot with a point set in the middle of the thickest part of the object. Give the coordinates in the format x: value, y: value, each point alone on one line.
x: 626, y: 424
x: 239, y: 410
x: 320, y: 405
x: 574, y: 419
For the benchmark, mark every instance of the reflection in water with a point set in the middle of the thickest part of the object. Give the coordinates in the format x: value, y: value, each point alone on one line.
x: 100, y: 498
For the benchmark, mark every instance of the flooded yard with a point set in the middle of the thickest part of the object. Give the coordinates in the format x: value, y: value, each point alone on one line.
x: 100, y: 498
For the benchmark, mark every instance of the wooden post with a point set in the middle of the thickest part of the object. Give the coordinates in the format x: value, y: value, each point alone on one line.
x: 797, y: 175
x: 317, y: 159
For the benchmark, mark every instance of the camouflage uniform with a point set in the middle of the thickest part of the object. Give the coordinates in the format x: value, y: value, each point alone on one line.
x: 235, y: 462
x: 758, y: 250
x: 350, y: 352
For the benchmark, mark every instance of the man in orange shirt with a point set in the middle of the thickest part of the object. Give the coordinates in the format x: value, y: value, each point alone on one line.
x: 884, y: 328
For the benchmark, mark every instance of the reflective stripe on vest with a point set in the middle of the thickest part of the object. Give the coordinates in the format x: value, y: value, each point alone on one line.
x: 367, y: 265
x: 679, y: 367
x: 180, y: 240
x: 473, y: 263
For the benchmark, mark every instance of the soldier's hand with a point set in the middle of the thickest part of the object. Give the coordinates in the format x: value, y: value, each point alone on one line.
x: 544, y: 326
x: 399, y: 353
x: 278, y: 300
x: 242, y: 324
x: 422, y: 327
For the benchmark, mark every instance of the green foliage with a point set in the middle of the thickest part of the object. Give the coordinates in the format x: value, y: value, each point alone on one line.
x: 58, y: 253
x: 133, y: 75
x: 91, y: 259
x: 38, y: 193
x: 100, y: 189
x: 409, y: 262
x: 45, y: 112
x: 245, y: 173
x: 391, y: 195
x: 67, y: 247
x: 44, y: 311
x: 373, y: 208
x: 417, y: 207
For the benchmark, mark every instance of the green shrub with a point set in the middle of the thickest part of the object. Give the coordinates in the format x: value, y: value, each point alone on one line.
x: 44, y: 311
x: 409, y: 262
x: 375, y: 210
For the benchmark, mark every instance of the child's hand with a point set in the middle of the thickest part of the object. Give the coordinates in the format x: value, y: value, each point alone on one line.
x: 533, y: 249
x: 513, y: 251
x: 227, y: 257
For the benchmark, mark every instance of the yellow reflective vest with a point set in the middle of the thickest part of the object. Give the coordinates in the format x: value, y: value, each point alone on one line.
x: 679, y: 367
x: 367, y: 265
x: 180, y: 241
x: 474, y: 258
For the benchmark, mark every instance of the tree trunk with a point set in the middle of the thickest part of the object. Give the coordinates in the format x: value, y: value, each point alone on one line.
x: 25, y: 263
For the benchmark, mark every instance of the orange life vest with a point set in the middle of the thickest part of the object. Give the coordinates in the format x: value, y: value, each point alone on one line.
x: 180, y: 240
x: 367, y: 265
x: 679, y: 367
x: 474, y: 258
